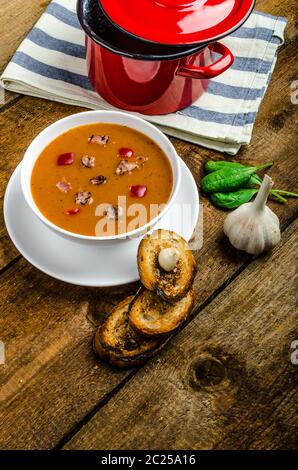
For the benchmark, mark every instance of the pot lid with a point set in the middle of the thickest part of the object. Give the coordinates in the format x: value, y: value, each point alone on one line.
x: 178, y: 22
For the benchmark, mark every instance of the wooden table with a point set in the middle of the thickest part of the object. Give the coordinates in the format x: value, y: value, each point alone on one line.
x: 225, y: 381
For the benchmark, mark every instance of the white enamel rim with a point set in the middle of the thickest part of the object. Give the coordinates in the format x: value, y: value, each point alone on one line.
x: 188, y: 193
x: 19, y: 228
x: 93, y: 117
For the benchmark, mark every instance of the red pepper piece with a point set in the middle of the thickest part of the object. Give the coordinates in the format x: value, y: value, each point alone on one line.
x: 139, y: 190
x: 125, y: 152
x: 66, y: 158
x: 73, y: 211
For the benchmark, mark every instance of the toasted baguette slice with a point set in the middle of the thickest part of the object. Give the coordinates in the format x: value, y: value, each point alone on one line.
x: 116, y: 341
x: 153, y: 317
x: 172, y: 285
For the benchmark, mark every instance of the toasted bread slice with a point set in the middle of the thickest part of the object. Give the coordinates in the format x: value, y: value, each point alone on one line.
x: 153, y: 317
x: 116, y: 341
x: 172, y: 285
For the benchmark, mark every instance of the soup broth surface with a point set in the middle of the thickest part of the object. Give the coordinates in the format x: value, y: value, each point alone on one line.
x: 57, y: 189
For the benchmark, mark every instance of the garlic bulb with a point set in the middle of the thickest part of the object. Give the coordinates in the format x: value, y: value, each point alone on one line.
x: 168, y: 258
x: 253, y: 227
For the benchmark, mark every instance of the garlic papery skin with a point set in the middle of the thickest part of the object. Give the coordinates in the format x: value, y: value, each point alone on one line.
x: 168, y: 258
x: 253, y: 227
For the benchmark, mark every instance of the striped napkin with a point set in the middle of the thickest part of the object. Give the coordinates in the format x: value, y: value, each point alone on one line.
x: 50, y: 63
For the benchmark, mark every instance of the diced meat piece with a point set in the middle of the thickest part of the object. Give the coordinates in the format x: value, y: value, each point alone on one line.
x: 138, y: 190
x: 63, y: 185
x: 66, y: 159
x: 127, y: 166
x: 87, y: 161
x: 73, y: 211
x: 114, y: 212
x: 98, y: 180
x: 98, y: 139
x: 83, y: 198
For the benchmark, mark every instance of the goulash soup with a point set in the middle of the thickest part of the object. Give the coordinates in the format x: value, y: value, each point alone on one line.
x: 101, y: 179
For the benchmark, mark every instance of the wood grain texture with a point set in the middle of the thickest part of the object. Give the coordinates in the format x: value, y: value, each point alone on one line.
x: 19, y: 124
x: 17, y: 18
x: 50, y: 388
x: 51, y: 378
x: 225, y: 382
x: 51, y: 383
x: 274, y: 134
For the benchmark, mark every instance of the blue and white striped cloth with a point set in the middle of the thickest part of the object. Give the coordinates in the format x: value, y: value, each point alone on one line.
x: 50, y: 63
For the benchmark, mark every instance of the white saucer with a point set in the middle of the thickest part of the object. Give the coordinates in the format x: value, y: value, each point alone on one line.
x: 89, y: 265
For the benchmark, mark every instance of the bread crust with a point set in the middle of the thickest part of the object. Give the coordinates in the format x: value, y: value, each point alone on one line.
x: 119, y: 344
x: 152, y: 316
x: 171, y: 286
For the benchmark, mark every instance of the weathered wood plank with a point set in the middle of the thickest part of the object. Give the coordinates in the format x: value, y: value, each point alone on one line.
x: 19, y: 124
x: 7, y: 98
x: 225, y: 382
x: 50, y: 379
x: 31, y: 115
x: 274, y: 135
x: 51, y: 373
x: 17, y: 18
x: 275, y: 8
x: 59, y: 384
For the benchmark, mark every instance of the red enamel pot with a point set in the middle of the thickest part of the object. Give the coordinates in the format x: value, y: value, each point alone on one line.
x: 143, y: 77
x: 177, y: 22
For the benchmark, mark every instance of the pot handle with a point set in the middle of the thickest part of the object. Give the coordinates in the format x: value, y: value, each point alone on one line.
x: 212, y: 70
